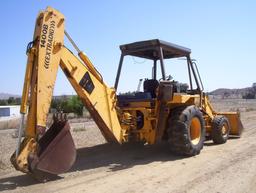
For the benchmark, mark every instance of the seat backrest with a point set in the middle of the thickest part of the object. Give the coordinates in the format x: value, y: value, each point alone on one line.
x: 150, y: 85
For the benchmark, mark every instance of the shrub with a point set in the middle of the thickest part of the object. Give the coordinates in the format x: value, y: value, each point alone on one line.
x: 68, y: 105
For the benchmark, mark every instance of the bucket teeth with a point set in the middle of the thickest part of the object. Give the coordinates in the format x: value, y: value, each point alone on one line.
x: 60, y: 117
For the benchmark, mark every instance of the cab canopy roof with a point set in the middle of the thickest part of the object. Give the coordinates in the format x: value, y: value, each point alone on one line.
x: 149, y: 49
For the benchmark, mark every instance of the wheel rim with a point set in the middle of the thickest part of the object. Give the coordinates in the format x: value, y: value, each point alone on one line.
x: 195, y: 130
x: 224, y: 129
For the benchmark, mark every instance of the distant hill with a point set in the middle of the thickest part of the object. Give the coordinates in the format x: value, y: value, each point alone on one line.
x: 4, y: 96
x: 62, y: 96
x: 248, y: 92
x: 225, y: 92
x: 222, y: 91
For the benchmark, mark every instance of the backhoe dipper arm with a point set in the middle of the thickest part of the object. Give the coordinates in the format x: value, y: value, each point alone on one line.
x: 44, y: 54
x: 42, y: 149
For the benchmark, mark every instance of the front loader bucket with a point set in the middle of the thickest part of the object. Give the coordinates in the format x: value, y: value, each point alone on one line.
x: 235, y: 123
x: 56, y: 150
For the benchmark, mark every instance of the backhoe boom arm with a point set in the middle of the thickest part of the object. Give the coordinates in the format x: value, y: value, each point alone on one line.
x: 99, y: 99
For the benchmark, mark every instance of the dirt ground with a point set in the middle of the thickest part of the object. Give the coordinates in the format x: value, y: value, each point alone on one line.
x: 100, y: 167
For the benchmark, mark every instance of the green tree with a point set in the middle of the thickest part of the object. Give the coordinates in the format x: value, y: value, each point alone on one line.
x: 11, y: 101
x: 76, y: 105
x: 68, y: 105
x: 17, y: 101
x: 3, y: 102
x: 56, y: 104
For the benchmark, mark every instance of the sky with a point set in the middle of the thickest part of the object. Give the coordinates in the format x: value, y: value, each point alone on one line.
x: 221, y: 35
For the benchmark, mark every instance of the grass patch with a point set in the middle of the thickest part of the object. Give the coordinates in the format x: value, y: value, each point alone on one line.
x: 79, y: 129
x: 2, y: 165
x: 249, y: 109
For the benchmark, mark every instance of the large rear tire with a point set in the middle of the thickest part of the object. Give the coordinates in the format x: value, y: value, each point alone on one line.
x: 186, y: 131
x: 220, y: 129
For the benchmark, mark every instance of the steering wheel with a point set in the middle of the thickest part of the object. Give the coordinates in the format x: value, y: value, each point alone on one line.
x: 169, y: 77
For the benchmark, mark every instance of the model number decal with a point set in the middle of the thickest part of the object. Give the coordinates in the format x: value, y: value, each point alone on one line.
x: 47, y: 41
x: 86, y: 83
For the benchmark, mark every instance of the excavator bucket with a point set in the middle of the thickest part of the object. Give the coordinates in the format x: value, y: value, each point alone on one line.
x: 56, y: 150
x: 236, y: 126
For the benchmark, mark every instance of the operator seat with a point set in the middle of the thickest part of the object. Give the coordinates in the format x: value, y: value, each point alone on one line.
x: 150, y: 85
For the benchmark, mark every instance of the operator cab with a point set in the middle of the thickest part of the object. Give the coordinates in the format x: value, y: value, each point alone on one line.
x: 157, y: 51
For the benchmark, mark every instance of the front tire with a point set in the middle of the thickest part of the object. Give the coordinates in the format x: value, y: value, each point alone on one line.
x: 186, y: 131
x: 220, y: 129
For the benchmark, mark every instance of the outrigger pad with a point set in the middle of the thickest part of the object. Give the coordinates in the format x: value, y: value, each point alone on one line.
x: 56, y: 150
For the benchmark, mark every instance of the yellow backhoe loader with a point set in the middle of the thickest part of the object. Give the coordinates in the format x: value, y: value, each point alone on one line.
x: 165, y: 110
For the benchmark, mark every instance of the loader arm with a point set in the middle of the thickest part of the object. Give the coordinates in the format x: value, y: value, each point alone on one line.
x: 52, y: 151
